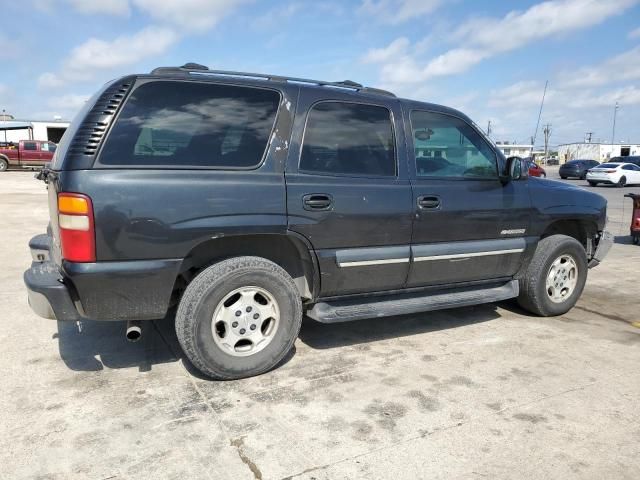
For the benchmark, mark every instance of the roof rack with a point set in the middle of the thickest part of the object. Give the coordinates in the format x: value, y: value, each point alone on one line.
x: 195, y: 68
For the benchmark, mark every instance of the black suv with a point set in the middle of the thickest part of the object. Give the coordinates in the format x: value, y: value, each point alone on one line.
x: 248, y: 200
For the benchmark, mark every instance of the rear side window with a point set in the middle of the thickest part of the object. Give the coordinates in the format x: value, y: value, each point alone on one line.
x: 30, y: 146
x: 192, y: 125
x: 349, y: 139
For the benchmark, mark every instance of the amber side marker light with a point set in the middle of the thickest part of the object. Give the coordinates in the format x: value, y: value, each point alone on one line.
x: 77, y: 232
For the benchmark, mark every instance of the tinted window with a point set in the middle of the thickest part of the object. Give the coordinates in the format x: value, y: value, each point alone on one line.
x: 192, y: 124
x: 609, y: 165
x: 30, y: 146
x: 631, y: 167
x: 447, y: 146
x: 349, y: 139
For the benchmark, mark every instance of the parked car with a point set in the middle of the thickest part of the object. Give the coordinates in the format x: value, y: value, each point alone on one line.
x: 629, y: 159
x: 389, y: 206
x: 551, y: 161
x: 26, y: 153
x: 576, y: 168
x: 619, y: 174
x: 536, y: 170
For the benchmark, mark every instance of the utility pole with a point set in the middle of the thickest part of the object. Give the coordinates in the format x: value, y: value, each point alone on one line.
x: 535, y: 134
x: 613, y: 133
x: 489, y: 129
x: 587, y: 136
x: 547, y: 134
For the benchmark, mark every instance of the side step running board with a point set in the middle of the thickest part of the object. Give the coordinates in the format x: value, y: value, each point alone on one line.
x: 401, y: 304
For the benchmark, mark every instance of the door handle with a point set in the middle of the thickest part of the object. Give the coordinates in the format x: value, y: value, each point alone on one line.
x: 317, y: 201
x: 428, y: 201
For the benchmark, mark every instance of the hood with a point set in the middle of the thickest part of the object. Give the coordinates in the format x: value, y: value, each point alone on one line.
x: 557, y: 198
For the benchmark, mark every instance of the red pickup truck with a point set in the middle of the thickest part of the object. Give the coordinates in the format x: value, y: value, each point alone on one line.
x: 26, y: 153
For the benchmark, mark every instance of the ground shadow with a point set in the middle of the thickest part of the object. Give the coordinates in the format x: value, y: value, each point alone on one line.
x: 102, y: 345
x: 321, y: 335
x: 623, y: 239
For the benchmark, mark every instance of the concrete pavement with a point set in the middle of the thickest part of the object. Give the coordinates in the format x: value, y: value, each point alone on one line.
x: 476, y: 392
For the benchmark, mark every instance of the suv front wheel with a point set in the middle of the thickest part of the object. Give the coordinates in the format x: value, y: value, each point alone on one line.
x: 239, y: 318
x: 555, y: 278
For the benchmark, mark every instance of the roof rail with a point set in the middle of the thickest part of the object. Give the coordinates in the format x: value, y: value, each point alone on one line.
x: 196, y: 68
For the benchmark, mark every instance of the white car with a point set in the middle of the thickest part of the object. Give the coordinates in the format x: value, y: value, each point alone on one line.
x: 619, y: 174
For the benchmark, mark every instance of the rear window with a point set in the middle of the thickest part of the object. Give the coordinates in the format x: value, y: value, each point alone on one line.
x: 191, y: 124
x: 349, y: 139
x: 608, y: 165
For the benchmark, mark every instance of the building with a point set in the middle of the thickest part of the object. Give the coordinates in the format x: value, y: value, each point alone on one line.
x: 12, y: 130
x: 514, y: 149
x: 596, y: 151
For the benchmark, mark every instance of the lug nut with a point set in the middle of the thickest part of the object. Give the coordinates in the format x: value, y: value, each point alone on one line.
x: 234, y: 324
x: 249, y: 309
x: 252, y: 327
x: 242, y: 331
x: 238, y: 313
x: 256, y: 316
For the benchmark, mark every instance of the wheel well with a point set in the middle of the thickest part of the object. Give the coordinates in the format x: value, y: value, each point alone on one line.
x: 582, y: 231
x: 286, y: 251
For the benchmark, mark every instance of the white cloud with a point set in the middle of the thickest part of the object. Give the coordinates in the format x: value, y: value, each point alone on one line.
x: 519, y: 95
x: 620, y: 68
x: 110, y: 7
x: 95, y: 55
x: 633, y: 34
x: 481, y: 38
x: 191, y: 15
x: 274, y: 17
x: 69, y: 102
x: 391, y: 52
x: 398, y: 11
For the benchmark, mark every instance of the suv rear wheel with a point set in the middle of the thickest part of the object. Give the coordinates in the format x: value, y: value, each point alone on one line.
x: 239, y: 318
x: 555, y: 277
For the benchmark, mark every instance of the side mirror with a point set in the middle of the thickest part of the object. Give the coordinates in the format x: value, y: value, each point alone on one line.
x: 516, y: 168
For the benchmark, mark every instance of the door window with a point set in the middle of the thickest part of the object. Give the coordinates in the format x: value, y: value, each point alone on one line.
x: 32, y: 146
x: 446, y: 146
x: 349, y: 139
x: 192, y: 124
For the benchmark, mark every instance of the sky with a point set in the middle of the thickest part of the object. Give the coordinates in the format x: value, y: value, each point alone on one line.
x: 488, y: 58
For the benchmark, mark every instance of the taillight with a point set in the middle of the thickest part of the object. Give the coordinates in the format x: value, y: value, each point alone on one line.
x: 77, y: 233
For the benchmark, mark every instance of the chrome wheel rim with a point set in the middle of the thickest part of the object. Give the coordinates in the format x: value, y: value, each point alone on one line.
x: 245, y: 321
x: 562, y: 278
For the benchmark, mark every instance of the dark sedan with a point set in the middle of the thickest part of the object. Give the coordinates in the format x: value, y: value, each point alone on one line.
x: 576, y: 168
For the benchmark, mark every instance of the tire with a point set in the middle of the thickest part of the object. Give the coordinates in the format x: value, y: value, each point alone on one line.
x: 534, y: 292
x: 543, y: 175
x: 583, y: 177
x: 4, y: 165
x: 214, y: 288
x: 593, y: 184
x: 563, y: 178
x: 622, y: 182
x: 636, y: 240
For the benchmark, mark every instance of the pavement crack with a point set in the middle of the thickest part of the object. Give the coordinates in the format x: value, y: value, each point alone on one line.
x: 239, y: 444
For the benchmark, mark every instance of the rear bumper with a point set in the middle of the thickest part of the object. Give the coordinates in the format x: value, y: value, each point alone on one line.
x: 49, y: 297
x: 604, y: 245
x: 129, y: 290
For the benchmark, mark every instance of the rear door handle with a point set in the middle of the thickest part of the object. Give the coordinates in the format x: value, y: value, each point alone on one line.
x: 428, y: 201
x: 317, y: 201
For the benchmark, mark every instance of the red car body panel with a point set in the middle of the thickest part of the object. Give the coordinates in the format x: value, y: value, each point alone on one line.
x: 536, y: 170
x: 28, y: 153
